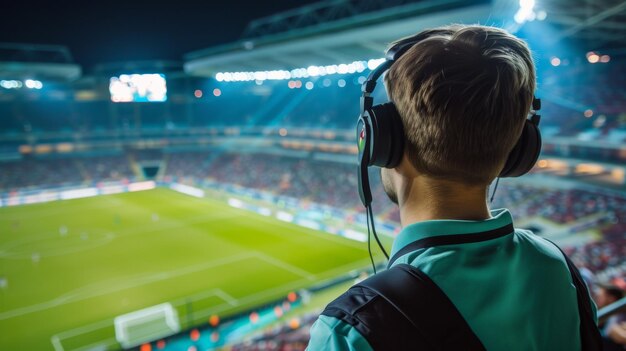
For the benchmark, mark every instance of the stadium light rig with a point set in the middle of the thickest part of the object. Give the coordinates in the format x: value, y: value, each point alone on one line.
x: 18, y: 84
x: 311, y: 71
x: 526, y: 12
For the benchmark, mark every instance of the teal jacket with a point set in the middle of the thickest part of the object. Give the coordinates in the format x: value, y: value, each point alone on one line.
x: 515, y: 292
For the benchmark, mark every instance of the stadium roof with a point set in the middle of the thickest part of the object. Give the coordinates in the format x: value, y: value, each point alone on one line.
x: 602, y: 23
x: 37, y: 61
x: 146, y: 66
x: 343, y: 31
x: 331, y: 32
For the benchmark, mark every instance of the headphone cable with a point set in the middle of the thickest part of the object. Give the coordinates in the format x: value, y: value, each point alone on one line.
x: 382, y: 248
x: 369, y: 246
x: 493, y: 194
x: 370, y: 218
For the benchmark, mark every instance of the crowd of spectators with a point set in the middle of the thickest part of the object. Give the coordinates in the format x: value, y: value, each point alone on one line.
x: 48, y: 172
x: 106, y: 168
x: 36, y: 172
x: 319, y: 181
x: 187, y: 166
x: 283, y: 337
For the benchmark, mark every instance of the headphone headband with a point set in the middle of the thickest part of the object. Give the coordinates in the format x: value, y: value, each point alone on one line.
x: 381, y: 136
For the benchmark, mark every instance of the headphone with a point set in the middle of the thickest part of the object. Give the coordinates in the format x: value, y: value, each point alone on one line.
x: 380, y: 135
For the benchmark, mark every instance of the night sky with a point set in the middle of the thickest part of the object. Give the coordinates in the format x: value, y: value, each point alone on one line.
x: 106, y: 31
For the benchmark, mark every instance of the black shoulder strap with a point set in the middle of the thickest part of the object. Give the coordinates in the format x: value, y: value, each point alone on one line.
x: 591, y: 340
x: 403, y: 301
x: 400, y: 302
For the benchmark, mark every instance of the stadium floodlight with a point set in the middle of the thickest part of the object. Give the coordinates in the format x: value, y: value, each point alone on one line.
x: 33, y: 84
x: 541, y: 15
x: 13, y: 84
x: 527, y: 4
x: 373, y: 63
x: 525, y: 12
x: 313, y: 71
x: 297, y: 73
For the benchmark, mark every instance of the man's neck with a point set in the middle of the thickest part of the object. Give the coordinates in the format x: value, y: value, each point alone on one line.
x: 427, y: 199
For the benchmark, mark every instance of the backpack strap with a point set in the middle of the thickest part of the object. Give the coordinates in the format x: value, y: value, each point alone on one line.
x: 591, y: 340
x: 399, y: 302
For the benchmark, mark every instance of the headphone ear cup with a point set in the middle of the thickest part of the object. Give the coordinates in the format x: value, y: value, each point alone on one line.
x: 525, y: 153
x: 387, y: 142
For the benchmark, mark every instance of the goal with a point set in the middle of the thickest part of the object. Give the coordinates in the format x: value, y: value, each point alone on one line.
x: 149, y: 324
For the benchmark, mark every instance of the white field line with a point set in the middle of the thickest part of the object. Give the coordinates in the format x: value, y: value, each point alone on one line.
x: 224, y: 306
x: 80, y: 330
x: 109, y: 322
x: 259, y: 296
x: 142, y: 229
x: 56, y: 210
x: 52, y: 234
x: 194, y: 297
x: 98, y: 290
x: 251, y: 298
x: 226, y: 297
x: 138, y: 281
x: 98, y: 345
x: 56, y: 343
x: 96, y: 241
x: 56, y: 338
x: 284, y: 265
x: 312, y: 232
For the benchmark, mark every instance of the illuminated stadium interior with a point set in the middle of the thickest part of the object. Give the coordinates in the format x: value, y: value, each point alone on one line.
x: 184, y: 204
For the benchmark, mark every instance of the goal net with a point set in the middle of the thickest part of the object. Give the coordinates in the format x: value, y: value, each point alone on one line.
x: 149, y: 324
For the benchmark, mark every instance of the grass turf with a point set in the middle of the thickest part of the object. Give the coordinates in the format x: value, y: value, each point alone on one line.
x: 125, y: 252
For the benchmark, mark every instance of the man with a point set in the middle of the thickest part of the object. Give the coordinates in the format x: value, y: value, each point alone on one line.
x: 614, y: 329
x: 463, y: 94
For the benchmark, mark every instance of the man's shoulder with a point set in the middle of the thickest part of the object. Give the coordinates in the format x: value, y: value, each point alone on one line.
x: 361, y: 319
x: 350, y: 302
x: 330, y: 333
x: 331, y: 325
x: 399, y: 308
x: 534, y: 244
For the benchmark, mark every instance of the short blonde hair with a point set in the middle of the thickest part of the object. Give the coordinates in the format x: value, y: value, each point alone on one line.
x: 463, y: 93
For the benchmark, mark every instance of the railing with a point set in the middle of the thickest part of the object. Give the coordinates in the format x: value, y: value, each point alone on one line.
x: 614, y: 308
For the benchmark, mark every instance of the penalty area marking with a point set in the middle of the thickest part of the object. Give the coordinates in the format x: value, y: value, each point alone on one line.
x: 56, y: 339
x: 132, y: 282
x: 284, y: 265
x: 217, y: 309
x: 108, y: 287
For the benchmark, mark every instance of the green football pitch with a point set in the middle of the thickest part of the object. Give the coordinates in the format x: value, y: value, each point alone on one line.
x: 67, y: 268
